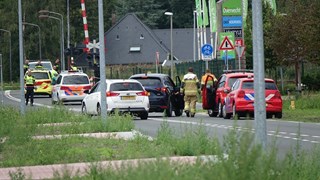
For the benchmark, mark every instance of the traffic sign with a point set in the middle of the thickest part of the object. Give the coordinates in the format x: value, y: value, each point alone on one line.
x: 240, y: 50
x: 206, y: 51
x: 226, y: 44
x: 93, y: 45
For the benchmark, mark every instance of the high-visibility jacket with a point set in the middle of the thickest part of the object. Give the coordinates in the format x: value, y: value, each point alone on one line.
x: 74, y: 68
x: 190, y: 84
x: 210, y: 79
x: 53, y: 72
x: 29, y: 80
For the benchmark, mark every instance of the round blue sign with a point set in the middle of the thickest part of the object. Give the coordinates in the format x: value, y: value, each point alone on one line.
x: 207, y: 49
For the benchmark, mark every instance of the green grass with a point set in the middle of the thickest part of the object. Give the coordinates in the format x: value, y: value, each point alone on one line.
x: 307, y: 108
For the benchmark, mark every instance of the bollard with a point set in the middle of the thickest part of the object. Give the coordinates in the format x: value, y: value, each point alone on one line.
x: 292, y: 105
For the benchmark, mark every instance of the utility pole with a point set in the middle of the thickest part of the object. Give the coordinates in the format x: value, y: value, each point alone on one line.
x: 22, y: 103
x: 258, y: 67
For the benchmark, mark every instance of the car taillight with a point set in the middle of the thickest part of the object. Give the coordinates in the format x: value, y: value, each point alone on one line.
x: 241, y: 94
x: 63, y: 88
x: 163, y: 89
x: 86, y: 87
x: 143, y: 93
x: 110, y: 94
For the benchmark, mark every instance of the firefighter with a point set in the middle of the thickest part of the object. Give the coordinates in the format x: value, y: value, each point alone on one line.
x: 210, y: 87
x: 190, y: 88
x: 211, y: 79
x: 25, y: 66
x: 29, y: 81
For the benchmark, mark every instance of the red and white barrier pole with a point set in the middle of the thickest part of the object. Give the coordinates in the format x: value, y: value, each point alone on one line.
x: 85, y: 24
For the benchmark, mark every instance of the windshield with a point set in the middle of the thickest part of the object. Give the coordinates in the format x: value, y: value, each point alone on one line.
x: 40, y: 75
x: 75, y: 79
x: 126, y: 86
x: 231, y: 81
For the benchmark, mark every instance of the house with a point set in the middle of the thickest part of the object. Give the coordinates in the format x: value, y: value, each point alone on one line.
x: 130, y: 41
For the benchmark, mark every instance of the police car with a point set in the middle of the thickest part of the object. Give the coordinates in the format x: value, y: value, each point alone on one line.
x: 70, y: 86
x: 43, y: 81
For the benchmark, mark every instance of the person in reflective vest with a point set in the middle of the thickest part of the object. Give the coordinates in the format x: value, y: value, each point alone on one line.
x: 39, y: 65
x: 211, y: 79
x: 210, y: 87
x: 190, y: 87
x: 73, y: 66
x: 29, y: 81
x: 25, y: 66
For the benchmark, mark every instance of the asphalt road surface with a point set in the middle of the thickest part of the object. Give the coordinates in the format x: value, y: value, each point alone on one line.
x: 287, y: 133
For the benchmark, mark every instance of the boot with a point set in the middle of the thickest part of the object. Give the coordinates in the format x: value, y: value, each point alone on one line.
x: 187, y: 113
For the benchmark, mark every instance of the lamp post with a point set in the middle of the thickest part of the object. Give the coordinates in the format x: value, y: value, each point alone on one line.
x: 10, y: 62
x: 46, y: 14
x: 171, y: 51
x: 39, y: 30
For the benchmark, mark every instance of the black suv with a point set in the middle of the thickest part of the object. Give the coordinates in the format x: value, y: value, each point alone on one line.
x: 164, y: 94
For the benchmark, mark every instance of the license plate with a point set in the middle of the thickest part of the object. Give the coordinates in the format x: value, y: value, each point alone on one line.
x: 128, y: 98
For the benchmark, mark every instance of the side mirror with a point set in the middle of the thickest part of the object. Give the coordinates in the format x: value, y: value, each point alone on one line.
x: 86, y: 91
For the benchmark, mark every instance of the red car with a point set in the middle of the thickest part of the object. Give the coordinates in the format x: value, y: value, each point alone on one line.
x: 223, y: 87
x: 240, y: 101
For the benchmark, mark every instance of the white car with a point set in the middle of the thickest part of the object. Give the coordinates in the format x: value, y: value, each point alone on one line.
x: 123, y: 96
x: 70, y: 86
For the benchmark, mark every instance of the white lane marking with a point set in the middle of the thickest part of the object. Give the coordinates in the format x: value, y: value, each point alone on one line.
x: 269, y: 133
x: 8, y: 95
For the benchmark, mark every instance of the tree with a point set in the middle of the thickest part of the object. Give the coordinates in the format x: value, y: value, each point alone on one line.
x: 295, y: 35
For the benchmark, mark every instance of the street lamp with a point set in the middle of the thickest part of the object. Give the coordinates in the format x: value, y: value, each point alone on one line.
x: 171, y: 51
x: 39, y: 30
x: 46, y: 14
x: 10, y: 63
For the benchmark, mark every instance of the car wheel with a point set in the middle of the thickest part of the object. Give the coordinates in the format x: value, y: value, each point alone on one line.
x: 212, y: 113
x: 168, y: 111
x: 50, y: 96
x: 98, y: 109
x: 144, y: 116
x: 225, y: 115
x: 235, y: 115
x: 178, y: 112
x: 278, y: 115
x: 84, y: 109
x: 220, y: 109
x: 269, y: 116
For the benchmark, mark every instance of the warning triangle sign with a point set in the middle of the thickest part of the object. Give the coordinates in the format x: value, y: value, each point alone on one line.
x: 226, y: 44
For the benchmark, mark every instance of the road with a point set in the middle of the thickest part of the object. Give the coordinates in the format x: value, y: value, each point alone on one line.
x: 287, y: 133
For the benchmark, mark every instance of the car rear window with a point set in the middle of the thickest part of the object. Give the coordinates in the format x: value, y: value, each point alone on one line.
x: 250, y: 85
x: 75, y: 79
x: 151, y: 82
x: 40, y: 75
x: 126, y: 86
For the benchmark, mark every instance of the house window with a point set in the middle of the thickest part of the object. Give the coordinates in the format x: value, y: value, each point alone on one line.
x: 117, y: 38
x: 135, y: 49
x: 141, y: 36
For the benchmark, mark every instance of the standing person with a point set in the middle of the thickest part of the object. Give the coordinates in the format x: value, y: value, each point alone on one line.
x: 38, y: 65
x: 29, y: 81
x: 210, y: 88
x: 190, y: 87
x: 54, y: 71
x: 211, y: 79
x: 73, y: 66
x: 25, y: 66
x: 57, y: 64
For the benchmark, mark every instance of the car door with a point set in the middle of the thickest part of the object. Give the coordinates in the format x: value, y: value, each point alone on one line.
x: 208, y: 94
x: 177, y: 93
x: 93, y: 98
x: 56, y: 88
